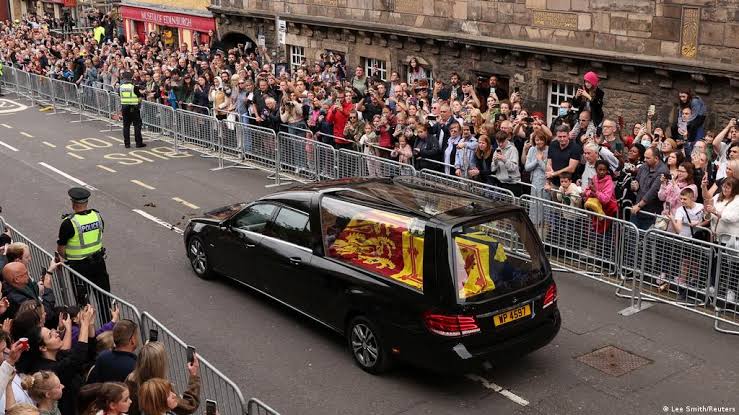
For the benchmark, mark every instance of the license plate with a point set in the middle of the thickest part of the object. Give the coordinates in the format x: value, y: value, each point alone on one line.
x: 512, y: 315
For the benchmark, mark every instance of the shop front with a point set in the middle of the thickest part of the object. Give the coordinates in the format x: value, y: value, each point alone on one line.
x: 174, y: 28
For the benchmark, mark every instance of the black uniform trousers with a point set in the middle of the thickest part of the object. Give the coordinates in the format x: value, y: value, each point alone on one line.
x: 131, y: 115
x: 93, y: 268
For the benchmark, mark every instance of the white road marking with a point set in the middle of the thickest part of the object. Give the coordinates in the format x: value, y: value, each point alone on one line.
x: 74, y: 179
x: 25, y: 134
x: 106, y: 168
x: 77, y: 156
x: 159, y: 221
x: 8, y: 146
x: 142, y: 184
x: 186, y: 203
x: 114, y: 138
x: 18, y: 106
x: 6, y: 126
x: 504, y: 392
x: 46, y: 143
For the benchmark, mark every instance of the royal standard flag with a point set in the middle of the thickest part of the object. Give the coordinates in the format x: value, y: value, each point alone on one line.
x: 383, y: 243
x: 474, y: 251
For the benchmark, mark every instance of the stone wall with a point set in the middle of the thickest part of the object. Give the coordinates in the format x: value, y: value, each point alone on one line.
x: 688, y: 32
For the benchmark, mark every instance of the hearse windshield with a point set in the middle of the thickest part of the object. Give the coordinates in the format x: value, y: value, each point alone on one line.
x: 495, y: 257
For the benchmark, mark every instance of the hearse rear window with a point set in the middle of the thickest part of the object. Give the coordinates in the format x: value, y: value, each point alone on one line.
x: 387, y: 244
x: 495, y: 257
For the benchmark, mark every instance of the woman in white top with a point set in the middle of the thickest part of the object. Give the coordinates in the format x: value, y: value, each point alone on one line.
x: 724, y: 209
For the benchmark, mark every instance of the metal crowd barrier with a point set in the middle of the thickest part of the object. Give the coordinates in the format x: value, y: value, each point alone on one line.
x: 66, y: 283
x: 257, y: 407
x: 214, y: 384
x: 197, y: 129
x: 584, y: 242
x: 727, y: 289
x: 478, y: 188
x: 308, y: 159
x: 353, y: 164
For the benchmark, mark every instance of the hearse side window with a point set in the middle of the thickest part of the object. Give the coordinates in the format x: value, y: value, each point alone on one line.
x: 387, y: 244
x: 291, y: 226
x: 495, y: 257
x: 254, y: 218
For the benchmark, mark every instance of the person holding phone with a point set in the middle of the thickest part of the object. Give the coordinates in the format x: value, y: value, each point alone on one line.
x: 46, y: 353
x: 152, y: 363
x: 589, y: 97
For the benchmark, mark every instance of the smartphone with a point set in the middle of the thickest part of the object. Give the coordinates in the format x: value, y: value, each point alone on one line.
x: 516, y: 89
x: 210, y: 407
x: 113, y: 303
x: 57, y: 257
x: 81, y: 296
x: 191, y: 354
x: 652, y: 109
x: 431, y: 117
x: 153, y: 335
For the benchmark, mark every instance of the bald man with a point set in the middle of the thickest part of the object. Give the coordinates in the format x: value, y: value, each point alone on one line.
x: 18, y: 287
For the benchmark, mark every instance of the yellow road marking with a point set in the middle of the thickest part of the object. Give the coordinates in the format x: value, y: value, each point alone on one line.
x: 48, y: 144
x: 142, y: 184
x: 106, y: 168
x: 6, y: 126
x: 114, y: 138
x: 186, y: 203
x: 77, y: 156
x: 23, y: 133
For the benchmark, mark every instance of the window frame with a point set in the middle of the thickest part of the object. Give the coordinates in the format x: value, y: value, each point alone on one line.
x: 275, y: 206
x: 553, y: 109
x: 296, y: 52
x: 272, y: 223
x: 382, y: 67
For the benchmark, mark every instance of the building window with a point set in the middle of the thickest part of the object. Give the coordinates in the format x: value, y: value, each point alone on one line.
x: 558, y: 92
x: 297, y: 56
x: 375, y: 65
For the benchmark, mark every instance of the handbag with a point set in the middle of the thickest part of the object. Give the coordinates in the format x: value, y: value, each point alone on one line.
x: 699, y: 234
x: 661, y: 223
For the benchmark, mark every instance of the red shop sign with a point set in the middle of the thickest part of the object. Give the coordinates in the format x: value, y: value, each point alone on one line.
x: 199, y: 23
x: 70, y: 3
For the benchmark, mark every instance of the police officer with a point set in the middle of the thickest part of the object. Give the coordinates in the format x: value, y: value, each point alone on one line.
x: 130, y: 102
x: 81, y: 243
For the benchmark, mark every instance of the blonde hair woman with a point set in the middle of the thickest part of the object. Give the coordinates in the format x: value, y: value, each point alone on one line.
x: 45, y: 389
x: 152, y: 363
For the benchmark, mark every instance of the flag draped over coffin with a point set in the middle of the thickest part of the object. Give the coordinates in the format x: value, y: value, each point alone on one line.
x: 474, y: 252
x: 383, y: 243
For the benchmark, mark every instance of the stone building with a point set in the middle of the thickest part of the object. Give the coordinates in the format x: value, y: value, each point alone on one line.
x: 644, y: 50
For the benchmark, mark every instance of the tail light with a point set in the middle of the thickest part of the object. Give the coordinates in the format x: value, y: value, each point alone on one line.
x: 551, y: 296
x: 450, y: 325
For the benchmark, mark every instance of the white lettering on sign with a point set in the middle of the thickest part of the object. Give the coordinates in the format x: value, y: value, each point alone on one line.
x: 166, y: 19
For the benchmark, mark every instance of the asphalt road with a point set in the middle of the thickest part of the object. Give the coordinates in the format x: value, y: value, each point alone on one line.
x: 295, y: 365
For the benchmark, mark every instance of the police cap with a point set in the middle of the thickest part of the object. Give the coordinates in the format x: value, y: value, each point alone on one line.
x: 79, y: 194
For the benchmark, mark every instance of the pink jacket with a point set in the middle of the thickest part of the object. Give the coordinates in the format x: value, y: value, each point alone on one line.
x: 670, y: 193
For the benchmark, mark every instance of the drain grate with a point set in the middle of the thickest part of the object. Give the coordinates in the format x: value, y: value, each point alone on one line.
x: 613, y: 361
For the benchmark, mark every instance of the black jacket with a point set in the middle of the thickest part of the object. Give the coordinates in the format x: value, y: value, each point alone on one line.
x: 595, y: 105
x: 16, y: 296
x: 428, y: 149
x: 70, y: 367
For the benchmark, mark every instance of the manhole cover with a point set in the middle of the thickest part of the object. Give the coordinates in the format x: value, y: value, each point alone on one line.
x: 613, y: 361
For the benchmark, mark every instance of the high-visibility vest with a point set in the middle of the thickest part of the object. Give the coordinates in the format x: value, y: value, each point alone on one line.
x: 1, y: 69
x: 127, y: 95
x: 88, y: 236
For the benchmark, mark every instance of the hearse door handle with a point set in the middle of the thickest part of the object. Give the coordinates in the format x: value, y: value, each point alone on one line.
x: 249, y: 244
x: 295, y: 260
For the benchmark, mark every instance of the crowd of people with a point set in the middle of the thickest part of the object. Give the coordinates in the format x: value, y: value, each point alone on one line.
x: 57, y: 362
x: 677, y: 176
